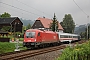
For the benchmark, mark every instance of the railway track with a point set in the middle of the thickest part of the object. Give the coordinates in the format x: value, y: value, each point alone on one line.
x: 30, y: 53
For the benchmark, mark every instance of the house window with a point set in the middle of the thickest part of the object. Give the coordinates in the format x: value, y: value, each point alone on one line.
x: 35, y: 25
x: 18, y: 23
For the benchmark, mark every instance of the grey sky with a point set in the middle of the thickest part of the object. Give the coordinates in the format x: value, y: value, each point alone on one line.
x: 32, y: 9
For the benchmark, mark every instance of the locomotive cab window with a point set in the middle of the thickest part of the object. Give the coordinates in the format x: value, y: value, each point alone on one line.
x: 30, y: 34
x: 39, y: 34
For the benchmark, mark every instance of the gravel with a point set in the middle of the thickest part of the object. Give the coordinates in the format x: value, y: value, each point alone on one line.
x: 47, y: 56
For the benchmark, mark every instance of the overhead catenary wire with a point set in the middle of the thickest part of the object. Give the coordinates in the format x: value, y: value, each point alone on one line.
x: 87, y: 17
x: 19, y: 8
x: 34, y: 8
x: 81, y: 8
x: 23, y: 17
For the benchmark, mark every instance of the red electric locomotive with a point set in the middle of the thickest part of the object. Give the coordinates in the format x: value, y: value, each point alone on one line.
x: 38, y: 38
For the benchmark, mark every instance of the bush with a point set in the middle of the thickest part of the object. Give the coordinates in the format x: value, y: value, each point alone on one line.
x: 20, y: 39
x: 80, y: 52
x: 19, y: 33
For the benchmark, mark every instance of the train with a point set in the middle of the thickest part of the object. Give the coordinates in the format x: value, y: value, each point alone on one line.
x: 40, y: 38
x: 68, y: 37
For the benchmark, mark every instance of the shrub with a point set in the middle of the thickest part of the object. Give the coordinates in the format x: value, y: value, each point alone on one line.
x: 80, y: 52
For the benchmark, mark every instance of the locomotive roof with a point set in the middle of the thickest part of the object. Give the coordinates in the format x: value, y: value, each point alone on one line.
x: 40, y: 30
x: 61, y: 33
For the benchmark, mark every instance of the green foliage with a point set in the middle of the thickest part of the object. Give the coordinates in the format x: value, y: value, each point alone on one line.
x: 5, y: 15
x: 68, y: 23
x: 28, y: 26
x: 84, y: 34
x: 20, y: 39
x: 5, y: 36
x: 6, y: 28
x: 54, y: 24
x: 18, y: 34
x: 24, y: 28
x: 80, y: 52
x: 6, y: 47
x: 88, y: 32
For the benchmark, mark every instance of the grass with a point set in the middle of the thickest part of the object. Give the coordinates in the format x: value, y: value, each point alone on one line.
x: 6, y: 47
x: 79, y: 52
x: 21, y: 39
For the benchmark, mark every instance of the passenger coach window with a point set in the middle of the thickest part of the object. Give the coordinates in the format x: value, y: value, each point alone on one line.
x: 61, y: 36
x: 64, y: 36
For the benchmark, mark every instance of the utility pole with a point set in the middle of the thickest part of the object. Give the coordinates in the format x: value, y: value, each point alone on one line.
x: 87, y: 27
x: 14, y: 29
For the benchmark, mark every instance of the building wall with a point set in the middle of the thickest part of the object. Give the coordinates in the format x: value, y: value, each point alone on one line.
x: 37, y: 25
x: 17, y: 26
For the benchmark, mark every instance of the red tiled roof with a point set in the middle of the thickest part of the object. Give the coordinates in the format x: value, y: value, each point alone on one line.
x: 46, y: 23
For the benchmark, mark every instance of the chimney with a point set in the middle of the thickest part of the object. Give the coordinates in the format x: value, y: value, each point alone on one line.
x: 43, y: 17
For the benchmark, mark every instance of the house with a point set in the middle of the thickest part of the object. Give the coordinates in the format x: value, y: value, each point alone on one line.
x: 44, y: 23
x: 14, y: 22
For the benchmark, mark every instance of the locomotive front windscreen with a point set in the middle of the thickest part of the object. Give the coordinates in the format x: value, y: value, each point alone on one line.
x: 30, y: 34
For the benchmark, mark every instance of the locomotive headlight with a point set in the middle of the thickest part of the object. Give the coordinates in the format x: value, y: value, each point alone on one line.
x: 24, y: 40
x: 35, y: 39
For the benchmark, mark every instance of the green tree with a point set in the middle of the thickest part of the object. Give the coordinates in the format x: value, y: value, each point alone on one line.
x: 5, y: 28
x: 85, y: 33
x: 54, y: 24
x: 82, y: 34
x: 5, y: 15
x: 23, y: 29
x: 68, y: 23
x: 28, y: 26
x: 88, y: 31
